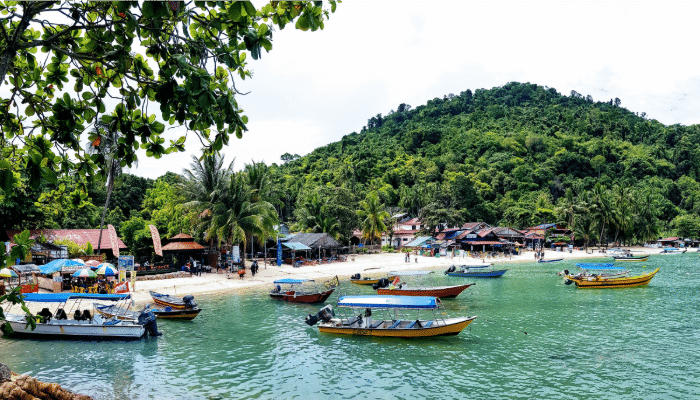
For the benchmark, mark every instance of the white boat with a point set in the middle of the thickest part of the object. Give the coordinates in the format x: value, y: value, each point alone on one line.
x: 83, y: 325
x: 672, y: 250
x: 604, y: 270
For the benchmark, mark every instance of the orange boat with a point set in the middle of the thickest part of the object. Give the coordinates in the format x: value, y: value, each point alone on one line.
x: 299, y: 290
x: 396, y: 288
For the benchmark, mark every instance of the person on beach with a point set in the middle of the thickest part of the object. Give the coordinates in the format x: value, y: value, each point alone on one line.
x: 241, y: 272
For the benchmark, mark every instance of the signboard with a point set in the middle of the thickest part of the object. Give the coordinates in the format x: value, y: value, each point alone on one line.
x: 70, y: 270
x: 279, y: 253
x: 132, y: 275
x: 58, y: 278
x: 471, y: 236
x: 236, y: 254
x: 126, y: 263
x: 156, y: 240
x: 122, y: 276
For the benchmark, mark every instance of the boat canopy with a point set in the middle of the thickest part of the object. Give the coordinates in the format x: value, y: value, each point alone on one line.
x: 411, y: 273
x: 405, y: 302
x: 63, y: 297
x: 670, y: 249
x: 292, y: 281
x: 475, y: 266
x: 600, y: 267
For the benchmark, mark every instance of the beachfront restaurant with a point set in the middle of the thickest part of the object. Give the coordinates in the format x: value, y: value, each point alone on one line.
x: 180, y: 249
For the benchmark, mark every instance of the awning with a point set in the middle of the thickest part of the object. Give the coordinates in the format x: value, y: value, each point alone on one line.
x: 296, y: 246
x: 374, y: 301
x: 417, y: 241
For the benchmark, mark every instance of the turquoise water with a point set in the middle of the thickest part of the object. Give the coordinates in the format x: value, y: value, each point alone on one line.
x: 534, y: 338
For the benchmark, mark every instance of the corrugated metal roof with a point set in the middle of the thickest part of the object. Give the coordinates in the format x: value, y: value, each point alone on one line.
x: 296, y: 246
x: 417, y: 241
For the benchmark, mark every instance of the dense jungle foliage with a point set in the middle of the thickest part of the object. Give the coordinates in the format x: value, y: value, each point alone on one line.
x: 516, y: 155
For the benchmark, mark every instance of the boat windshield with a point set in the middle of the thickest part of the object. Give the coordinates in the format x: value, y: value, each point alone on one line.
x: 599, y: 267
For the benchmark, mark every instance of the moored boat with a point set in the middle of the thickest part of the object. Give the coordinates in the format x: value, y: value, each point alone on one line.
x: 475, y: 271
x: 83, y: 325
x: 588, y: 270
x: 392, y: 322
x: 164, y: 313
x: 166, y: 300
x: 599, y: 282
x: 359, y: 280
x: 303, y: 290
x: 398, y: 288
x: 542, y: 260
x: 630, y: 258
x: 672, y: 250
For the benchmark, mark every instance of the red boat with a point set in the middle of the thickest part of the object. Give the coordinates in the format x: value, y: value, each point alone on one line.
x: 435, y: 291
x: 303, y: 290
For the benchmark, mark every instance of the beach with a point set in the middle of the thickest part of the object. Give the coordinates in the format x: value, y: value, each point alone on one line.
x: 374, y: 265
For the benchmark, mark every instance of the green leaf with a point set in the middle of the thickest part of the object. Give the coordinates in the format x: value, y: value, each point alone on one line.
x: 88, y: 95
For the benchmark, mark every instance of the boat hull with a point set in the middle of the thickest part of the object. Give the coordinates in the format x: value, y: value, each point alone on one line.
x: 370, y: 281
x: 177, y: 314
x: 441, y: 292
x: 612, y: 283
x: 451, y: 327
x: 70, y: 329
x: 293, y: 297
x: 126, y: 315
x: 549, y: 261
x: 486, y: 274
x: 631, y: 259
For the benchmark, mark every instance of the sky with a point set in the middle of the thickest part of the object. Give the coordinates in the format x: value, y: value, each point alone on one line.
x: 315, y: 87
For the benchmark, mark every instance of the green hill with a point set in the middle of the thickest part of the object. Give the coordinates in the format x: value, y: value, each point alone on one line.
x: 505, y: 155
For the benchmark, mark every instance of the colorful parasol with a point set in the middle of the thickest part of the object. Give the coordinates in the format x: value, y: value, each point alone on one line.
x: 7, y: 273
x: 106, y: 269
x: 84, y: 273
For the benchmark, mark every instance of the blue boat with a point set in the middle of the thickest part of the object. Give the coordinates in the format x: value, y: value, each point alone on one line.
x: 475, y: 271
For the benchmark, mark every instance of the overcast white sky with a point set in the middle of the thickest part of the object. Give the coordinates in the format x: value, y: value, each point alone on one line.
x: 315, y: 87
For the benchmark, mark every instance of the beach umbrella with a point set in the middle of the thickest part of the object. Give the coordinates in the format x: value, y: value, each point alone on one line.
x: 78, y: 261
x: 106, y: 269
x: 7, y: 273
x: 92, y: 264
x: 84, y: 273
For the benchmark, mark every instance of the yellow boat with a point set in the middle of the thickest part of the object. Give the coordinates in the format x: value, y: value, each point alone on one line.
x: 369, y: 281
x: 595, y: 282
x: 391, y: 324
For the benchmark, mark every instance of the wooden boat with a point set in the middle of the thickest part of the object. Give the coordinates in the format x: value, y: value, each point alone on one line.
x: 164, y: 313
x: 608, y: 283
x: 542, y: 260
x: 166, y: 300
x: 630, y: 258
x: 435, y: 291
x: 588, y: 270
x: 303, y: 290
x: 672, y: 250
x: 357, y: 279
x: 475, y: 271
x: 57, y: 325
x: 391, y: 323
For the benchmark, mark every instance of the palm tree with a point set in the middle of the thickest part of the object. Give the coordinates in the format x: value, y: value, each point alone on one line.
x: 235, y: 215
x: 104, y: 149
x: 600, y: 207
x: 373, y: 214
x: 585, y: 226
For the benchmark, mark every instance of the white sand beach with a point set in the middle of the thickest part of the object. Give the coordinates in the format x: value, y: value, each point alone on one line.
x: 364, y: 264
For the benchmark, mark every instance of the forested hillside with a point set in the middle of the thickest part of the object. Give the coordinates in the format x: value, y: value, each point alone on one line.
x: 507, y: 156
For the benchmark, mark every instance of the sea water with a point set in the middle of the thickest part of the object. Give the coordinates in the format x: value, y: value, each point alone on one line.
x: 534, y: 337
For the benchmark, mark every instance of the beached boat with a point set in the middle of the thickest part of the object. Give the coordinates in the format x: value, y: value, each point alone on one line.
x: 166, y: 300
x: 359, y: 280
x: 672, y: 250
x: 303, y: 290
x: 630, y: 258
x: 83, y: 325
x: 599, y: 282
x: 164, y: 313
x: 394, y: 319
x: 542, y: 260
x: 398, y: 288
x: 475, y: 271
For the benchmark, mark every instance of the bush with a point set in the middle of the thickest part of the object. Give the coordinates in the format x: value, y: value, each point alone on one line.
x: 388, y: 248
x: 74, y: 249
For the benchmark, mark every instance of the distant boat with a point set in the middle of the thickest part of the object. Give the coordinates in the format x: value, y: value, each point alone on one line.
x: 385, y: 287
x: 303, y: 290
x: 672, y: 250
x: 631, y: 258
x: 551, y: 260
x: 475, y: 271
x: 392, y: 323
x: 610, y: 283
x: 357, y: 279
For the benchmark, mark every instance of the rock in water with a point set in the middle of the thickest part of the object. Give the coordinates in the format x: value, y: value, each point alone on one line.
x: 25, y: 387
x: 5, y: 373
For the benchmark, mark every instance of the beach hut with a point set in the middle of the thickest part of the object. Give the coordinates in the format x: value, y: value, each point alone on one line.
x: 181, y: 247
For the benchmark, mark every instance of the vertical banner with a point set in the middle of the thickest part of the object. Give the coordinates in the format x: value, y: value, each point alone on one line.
x: 156, y: 240
x: 113, y: 240
x: 122, y: 275
x: 132, y: 275
x: 279, y: 253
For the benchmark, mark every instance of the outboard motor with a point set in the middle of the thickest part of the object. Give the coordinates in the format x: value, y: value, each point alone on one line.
x: 451, y: 269
x: 568, y: 281
x: 77, y: 315
x: 325, y: 314
x: 46, y: 314
x: 382, y: 283
x: 86, y: 315
x: 148, y: 320
x: 356, y: 277
x: 61, y: 314
x: 189, y: 301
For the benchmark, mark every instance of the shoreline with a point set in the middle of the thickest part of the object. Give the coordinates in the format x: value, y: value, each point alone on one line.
x: 364, y: 264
